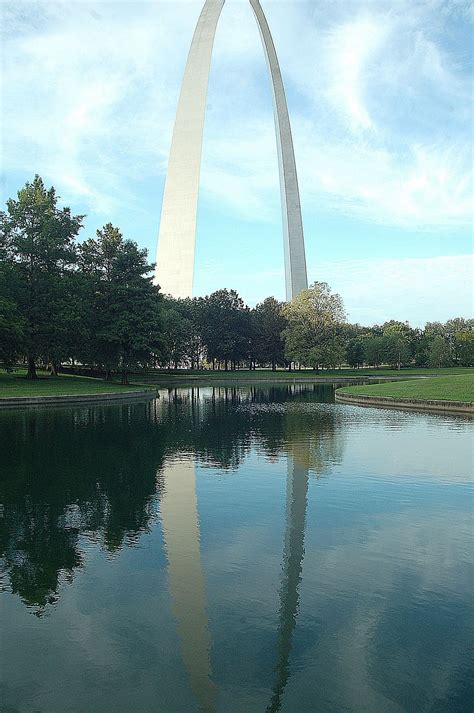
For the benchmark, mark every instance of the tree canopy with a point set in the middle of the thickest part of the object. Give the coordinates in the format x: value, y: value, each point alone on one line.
x: 38, y: 253
x: 92, y: 305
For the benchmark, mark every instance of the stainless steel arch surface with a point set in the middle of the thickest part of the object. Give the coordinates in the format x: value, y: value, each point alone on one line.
x: 177, y: 236
x: 293, y: 237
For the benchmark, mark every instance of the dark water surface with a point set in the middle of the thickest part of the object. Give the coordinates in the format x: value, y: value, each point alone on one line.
x: 235, y: 549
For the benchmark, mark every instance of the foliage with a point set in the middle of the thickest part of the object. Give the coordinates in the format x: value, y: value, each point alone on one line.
x: 464, y: 345
x: 94, y: 304
x: 225, y: 327
x: 268, y: 323
x: 122, y: 302
x: 12, y: 332
x: 37, y: 253
x: 355, y: 352
x: 439, y: 352
x: 313, y: 334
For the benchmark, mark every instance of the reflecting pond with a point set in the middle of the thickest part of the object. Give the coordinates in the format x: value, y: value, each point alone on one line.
x: 235, y: 549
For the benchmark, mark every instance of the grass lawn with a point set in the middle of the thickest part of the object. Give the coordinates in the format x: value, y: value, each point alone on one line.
x: 244, y: 375
x: 15, y: 384
x: 443, y: 388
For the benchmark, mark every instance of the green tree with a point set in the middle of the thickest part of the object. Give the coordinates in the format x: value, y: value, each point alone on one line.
x: 12, y: 332
x: 38, y: 251
x: 398, y: 339
x: 315, y: 318
x: 397, y: 350
x: 355, y: 352
x: 375, y: 350
x: 420, y: 347
x: 464, y: 344
x: 225, y: 327
x: 177, y: 331
x: 439, y: 353
x: 123, y: 313
x: 268, y: 325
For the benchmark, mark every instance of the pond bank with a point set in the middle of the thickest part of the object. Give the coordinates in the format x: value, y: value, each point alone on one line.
x: 75, y: 398
x: 454, y: 394
x: 418, y: 404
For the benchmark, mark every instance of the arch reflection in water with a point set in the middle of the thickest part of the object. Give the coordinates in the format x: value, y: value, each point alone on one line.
x: 181, y: 532
x: 296, y: 501
x: 180, y: 521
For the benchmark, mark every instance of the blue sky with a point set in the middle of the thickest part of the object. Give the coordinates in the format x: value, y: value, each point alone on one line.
x: 380, y: 98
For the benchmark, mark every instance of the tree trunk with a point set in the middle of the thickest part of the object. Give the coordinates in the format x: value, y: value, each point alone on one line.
x: 108, y: 375
x: 273, y: 365
x: 53, y: 369
x: 226, y: 366
x: 124, y: 378
x: 31, y: 374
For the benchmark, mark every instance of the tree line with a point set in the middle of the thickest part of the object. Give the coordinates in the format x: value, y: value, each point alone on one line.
x: 92, y: 304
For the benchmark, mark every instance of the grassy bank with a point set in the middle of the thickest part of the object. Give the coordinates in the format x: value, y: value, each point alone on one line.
x: 442, y: 388
x: 183, y: 376
x: 15, y: 384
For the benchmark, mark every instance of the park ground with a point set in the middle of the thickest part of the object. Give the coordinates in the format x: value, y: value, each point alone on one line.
x: 14, y: 384
x: 458, y: 387
x: 449, y: 384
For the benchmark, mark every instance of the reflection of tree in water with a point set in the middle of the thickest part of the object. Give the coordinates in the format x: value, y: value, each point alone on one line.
x: 67, y: 473
x: 93, y: 470
x: 218, y: 425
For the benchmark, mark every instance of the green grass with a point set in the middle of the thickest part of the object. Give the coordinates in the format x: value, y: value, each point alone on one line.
x: 459, y: 385
x: 15, y: 384
x: 443, y: 388
x: 267, y: 375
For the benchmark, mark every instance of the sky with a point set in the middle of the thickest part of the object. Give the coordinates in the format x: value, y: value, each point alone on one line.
x: 380, y: 99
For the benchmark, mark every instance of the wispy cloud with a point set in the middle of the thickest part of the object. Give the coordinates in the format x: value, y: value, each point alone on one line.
x: 379, y: 98
x: 375, y: 290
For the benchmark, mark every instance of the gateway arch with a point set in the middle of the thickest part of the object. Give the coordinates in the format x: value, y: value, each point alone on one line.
x: 177, y: 235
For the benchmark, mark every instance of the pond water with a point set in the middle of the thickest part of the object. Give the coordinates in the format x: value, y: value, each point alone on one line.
x: 235, y: 549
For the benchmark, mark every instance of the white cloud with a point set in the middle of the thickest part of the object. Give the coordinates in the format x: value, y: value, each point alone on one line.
x: 427, y: 186
x: 373, y: 289
x: 379, y: 105
x: 350, y: 47
x: 427, y: 289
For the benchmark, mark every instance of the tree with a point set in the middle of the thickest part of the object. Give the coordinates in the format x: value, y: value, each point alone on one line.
x: 375, y: 350
x: 398, y: 339
x: 315, y: 318
x: 38, y: 252
x: 464, y: 345
x: 439, y: 353
x: 420, y: 347
x: 178, y: 330
x: 355, y: 352
x: 268, y: 325
x: 397, y: 351
x: 124, y: 319
x: 12, y: 332
x: 225, y: 327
